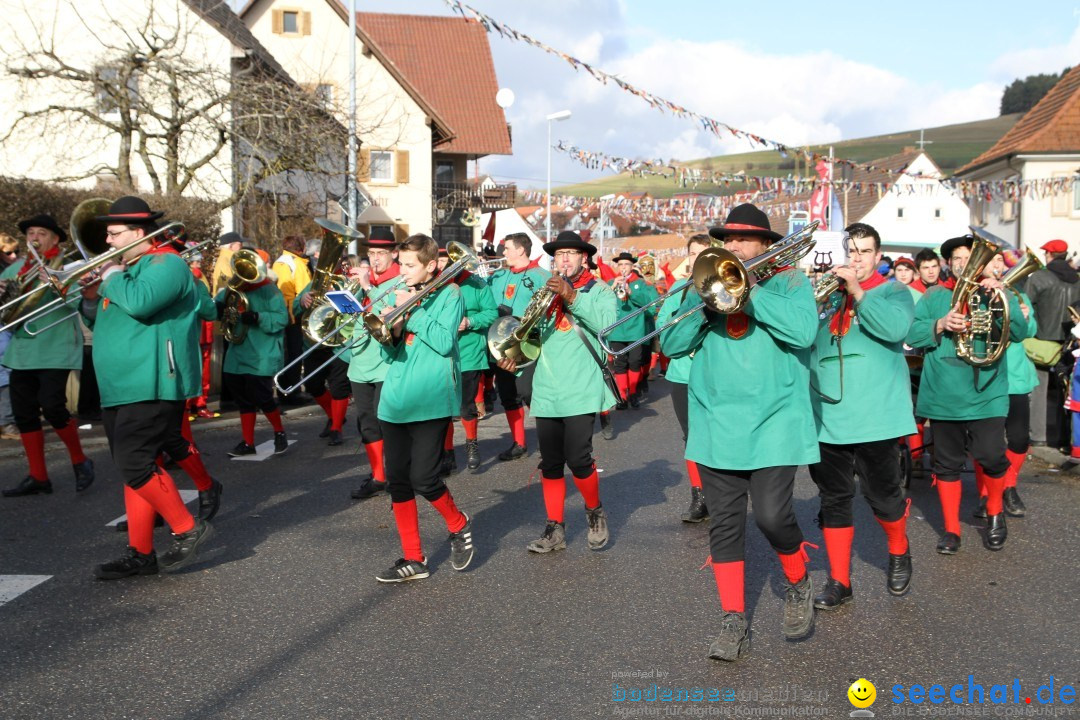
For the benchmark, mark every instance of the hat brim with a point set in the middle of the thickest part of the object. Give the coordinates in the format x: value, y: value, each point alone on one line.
x: 722, y: 232
x: 25, y: 225
x: 133, y: 219
x: 380, y: 244
x: 951, y: 244
x: 581, y: 245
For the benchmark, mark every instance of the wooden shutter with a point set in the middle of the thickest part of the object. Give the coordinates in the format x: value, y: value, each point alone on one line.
x: 278, y: 22
x: 363, y: 165
x: 402, y: 166
x: 305, y: 23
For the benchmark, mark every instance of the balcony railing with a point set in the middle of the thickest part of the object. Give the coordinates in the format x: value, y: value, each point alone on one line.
x: 467, y: 194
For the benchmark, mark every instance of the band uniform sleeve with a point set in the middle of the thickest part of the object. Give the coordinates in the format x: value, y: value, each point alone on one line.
x: 207, y: 308
x: 784, y: 306
x: 437, y: 327
x: 88, y: 308
x: 642, y: 295
x: 923, y: 332
x: 1018, y: 324
x: 887, y: 314
x: 273, y: 318
x: 482, y: 318
x: 595, y: 308
x: 155, y: 288
x: 684, y: 338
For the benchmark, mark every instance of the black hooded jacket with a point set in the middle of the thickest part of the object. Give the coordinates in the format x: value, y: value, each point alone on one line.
x: 1052, y: 290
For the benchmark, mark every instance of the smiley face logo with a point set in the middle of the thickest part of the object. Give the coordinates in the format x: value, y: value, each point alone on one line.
x: 862, y: 693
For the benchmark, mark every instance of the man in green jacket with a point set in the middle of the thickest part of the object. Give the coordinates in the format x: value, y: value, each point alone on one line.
x: 145, y: 319
x: 40, y: 364
x: 862, y: 404
x: 420, y: 394
x: 569, y: 389
x: 967, y: 404
x: 751, y: 424
x: 632, y: 294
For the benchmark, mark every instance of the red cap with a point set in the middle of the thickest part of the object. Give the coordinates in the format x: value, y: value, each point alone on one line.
x: 905, y: 261
x: 1056, y: 246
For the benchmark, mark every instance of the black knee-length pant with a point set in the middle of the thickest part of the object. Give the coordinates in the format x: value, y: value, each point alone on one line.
x: 725, y: 495
x: 878, y: 465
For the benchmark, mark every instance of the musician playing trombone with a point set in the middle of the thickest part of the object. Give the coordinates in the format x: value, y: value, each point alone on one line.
x: 632, y: 292
x: 569, y: 389
x: 751, y: 424
x: 862, y: 404
x: 40, y: 364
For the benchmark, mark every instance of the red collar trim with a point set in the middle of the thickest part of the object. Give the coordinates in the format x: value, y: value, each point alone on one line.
x: 532, y: 264
x: 391, y: 272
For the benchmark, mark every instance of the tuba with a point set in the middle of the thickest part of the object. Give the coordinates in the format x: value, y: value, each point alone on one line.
x: 248, y: 268
x: 986, y: 336
x: 335, y: 240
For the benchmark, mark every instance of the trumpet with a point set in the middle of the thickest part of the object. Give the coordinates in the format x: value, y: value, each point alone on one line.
x: 826, y: 285
x: 622, y: 288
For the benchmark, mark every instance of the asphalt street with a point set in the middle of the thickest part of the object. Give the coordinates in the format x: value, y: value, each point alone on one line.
x: 282, y: 617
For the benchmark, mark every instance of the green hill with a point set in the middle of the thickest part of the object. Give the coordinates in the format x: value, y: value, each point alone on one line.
x: 951, y: 147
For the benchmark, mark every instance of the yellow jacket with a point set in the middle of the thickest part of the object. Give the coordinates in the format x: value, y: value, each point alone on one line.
x: 222, y: 270
x: 293, y: 275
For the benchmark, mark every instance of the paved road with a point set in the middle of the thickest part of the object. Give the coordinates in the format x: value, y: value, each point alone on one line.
x: 282, y: 617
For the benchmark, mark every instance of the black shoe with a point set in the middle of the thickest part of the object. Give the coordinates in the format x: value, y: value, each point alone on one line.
x: 620, y: 404
x: 122, y: 526
x: 515, y: 452
x: 370, y: 487
x: 326, y: 429
x: 29, y: 486
x: 606, y: 428
x: 643, y: 389
x: 949, y: 544
x: 697, y: 510
x: 461, y: 546
x: 84, y: 474
x: 996, y: 532
x: 1014, y: 506
x: 634, y: 401
x: 134, y: 563
x: 799, y: 609
x: 335, y: 438
x: 899, y: 577
x: 734, y: 640
x: 403, y: 571
x: 210, y: 500
x: 833, y: 595
x: 186, y: 546
x: 472, y: 454
x: 281, y: 443
x: 448, y: 464
x: 242, y: 448
x: 980, y: 509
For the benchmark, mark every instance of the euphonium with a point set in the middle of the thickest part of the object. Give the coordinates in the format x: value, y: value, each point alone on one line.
x: 248, y: 268
x: 336, y: 239
x: 519, y: 338
x: 986, y: 336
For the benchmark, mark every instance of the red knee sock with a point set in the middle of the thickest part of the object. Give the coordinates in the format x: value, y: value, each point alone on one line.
x: 247, y: 427
x: 949, y: 494
x: 980, y: 480
x: 193, y: 466
x: 325, y: 403
x: 470, y: 428
x: 695, y: 476
x: 70, y: 435
x: 589, y: 487
x: 408, y: 527
x: 994, y: 487
x: 375, y: 459
x: 185, y: 429
x: 34, y: 446
x: 455, y: 519
x: 337, y: 413
x: 479, y: 399
x: 622, y: 380
x: 1016, y: 461
x: 516, y: 420
x: 140, y: 520
x: 794, y: 564
x: 915, y: 442
x: 633, y: 377
x: 274, y: 416
x: 838, y: 547
x: 664, y: 360
x: 554, y: 497
x: 730, y: 579
x: 163, y: 496
x: 448, y: 440
x: 896, y: 533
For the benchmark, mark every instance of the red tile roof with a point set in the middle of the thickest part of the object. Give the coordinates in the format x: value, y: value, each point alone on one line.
x: 1053, y: 125
x: 448, y: 60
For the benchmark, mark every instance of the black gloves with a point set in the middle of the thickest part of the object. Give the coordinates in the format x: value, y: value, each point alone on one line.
x: 249, y: 318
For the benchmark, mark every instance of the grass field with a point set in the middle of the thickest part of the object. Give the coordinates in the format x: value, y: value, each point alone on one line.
x: 952, y: 146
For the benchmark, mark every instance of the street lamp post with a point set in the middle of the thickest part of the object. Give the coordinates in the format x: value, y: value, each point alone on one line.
x: 561, y: 115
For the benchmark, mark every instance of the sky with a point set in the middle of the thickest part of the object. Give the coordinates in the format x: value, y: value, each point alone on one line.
x: 794, y: 72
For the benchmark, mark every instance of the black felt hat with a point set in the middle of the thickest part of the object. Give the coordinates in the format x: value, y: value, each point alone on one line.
x: 951, y: 244
x: 746, y: 219
x: 130, y: 210
x: 381, y: 237
x: 624, y: 256
x: 43, y: 221
x: 569, y: 240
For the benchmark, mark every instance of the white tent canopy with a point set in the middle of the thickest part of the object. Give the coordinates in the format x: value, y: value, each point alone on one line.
x: 508, y: 222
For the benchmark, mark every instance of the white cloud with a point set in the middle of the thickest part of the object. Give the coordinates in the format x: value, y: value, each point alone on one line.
x: 1033, y: 61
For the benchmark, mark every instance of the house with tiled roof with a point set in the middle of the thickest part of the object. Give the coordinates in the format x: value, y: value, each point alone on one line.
x: 1044, y: 144
x: 426, y: 106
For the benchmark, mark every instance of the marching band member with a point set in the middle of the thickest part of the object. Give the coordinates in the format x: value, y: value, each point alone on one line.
x: 967, y: 405
x: 330, y: 387
x: 751, y: 425
x: 858, y: 356
x: 146, y: 351
x: 513, y: 288
x: 678, y: 374
x: 565, y: 410
x: 631, y: 292
x: 249, y: 366
x: 420, y: 394
x: 367, y: 366
x: 40, y: 365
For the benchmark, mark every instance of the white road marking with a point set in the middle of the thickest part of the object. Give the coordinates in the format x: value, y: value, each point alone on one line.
x: 12, y: 586
x: 185, y: 495
x: 262, y: 452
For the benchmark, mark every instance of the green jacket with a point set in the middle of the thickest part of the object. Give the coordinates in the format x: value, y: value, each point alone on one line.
x: 367, y: 364
x: 514, y: 290
x: 146, y: 332
x: 424, y: 378
x: 678, y: 369
x: 567, y: 380
x: 874, y: 387
x: 1022, y: 377
x: 481, y: 311
x: 749, y: 398
x: 57, y: 348
x: 263, y: 350
x: 950, y: 388
x: 207, y: 307
x: 641, y: 293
